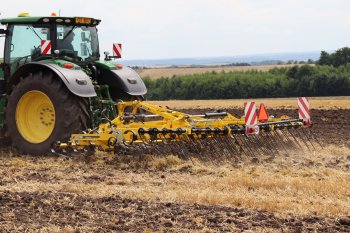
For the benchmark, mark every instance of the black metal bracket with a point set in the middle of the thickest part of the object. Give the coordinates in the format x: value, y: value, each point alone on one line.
x: 3, y: 32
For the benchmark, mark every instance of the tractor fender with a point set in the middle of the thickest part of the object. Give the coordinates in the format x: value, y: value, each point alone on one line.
x: 125, y: 79
x: 76, y: 80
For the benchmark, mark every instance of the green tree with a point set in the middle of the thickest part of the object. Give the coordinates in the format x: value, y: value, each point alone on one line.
x: 325, y: 59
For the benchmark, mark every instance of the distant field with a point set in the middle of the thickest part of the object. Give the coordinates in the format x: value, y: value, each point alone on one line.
x: 340, y: 102
x: 169, y: 72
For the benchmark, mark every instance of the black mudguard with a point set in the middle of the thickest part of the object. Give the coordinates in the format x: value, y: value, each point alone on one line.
x: 124, y: 80
x: 77, y: 81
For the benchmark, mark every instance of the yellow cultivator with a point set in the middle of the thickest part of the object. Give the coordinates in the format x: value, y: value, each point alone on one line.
x: 142, y: 128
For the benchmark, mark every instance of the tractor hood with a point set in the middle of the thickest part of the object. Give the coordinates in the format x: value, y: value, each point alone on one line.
x: 120, y: 77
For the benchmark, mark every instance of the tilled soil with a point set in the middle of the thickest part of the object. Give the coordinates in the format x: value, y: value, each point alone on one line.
x: 48, y: 211
x: 31, y: 211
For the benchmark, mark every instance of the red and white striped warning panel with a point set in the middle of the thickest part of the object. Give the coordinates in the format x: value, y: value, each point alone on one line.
x: 251, y: 125
x: 46, y: 47
x: 117, y: 50
x: 304, y: 109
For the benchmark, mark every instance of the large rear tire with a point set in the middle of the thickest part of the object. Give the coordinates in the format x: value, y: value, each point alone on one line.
x: 41, y: 111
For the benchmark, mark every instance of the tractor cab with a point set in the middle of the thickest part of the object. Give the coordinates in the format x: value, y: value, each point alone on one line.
x: 37, y: 38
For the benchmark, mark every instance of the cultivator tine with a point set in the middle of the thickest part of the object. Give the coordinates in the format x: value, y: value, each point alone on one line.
x: 315, y: 138
x: 231, y: 145
x: 272, y: 142
x: 279, y: 138
x: 257, y: 144
x: 194, y: 144
x: 225, y: 147
x: 248, y: 144
x: 269, y: 144
x: 309, y: 139
x: 312, y: 137
x: 234, y: 142
x: 295, y: 140
x: 302, y: 138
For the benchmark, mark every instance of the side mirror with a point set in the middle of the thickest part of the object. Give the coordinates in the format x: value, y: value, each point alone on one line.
x: 107, y: 58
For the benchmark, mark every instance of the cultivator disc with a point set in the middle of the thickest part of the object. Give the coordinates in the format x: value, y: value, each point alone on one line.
x: 217, y: 135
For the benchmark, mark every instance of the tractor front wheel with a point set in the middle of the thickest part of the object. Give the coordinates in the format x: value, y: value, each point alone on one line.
x: 40, y: 111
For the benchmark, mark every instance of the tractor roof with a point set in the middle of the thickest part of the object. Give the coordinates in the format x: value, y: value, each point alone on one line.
x: 50, y: 20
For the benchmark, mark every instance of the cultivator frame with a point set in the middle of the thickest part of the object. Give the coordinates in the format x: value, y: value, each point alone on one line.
x: 149, y: 128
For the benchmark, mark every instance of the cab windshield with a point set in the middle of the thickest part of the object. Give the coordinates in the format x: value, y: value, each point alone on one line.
x: 78, y: 42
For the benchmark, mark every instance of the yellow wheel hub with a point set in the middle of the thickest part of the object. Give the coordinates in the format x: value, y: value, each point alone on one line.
x: 35, y: 116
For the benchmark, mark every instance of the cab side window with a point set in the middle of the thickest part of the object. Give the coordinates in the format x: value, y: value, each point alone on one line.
x: 25, y: 43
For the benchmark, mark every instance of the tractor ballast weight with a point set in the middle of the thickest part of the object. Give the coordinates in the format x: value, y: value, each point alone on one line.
x: 58, y: 96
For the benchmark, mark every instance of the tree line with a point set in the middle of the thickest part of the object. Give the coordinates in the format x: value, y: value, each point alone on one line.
x: 306, y: 80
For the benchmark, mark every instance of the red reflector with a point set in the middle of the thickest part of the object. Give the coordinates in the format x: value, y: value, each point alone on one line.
x: 119, y: 66
x: 68, y: 65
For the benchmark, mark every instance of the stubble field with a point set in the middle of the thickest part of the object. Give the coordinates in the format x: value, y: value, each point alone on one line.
x: 292, y: 192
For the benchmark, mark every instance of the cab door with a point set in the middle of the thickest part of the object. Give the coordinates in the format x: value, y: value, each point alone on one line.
x: 23, y: 44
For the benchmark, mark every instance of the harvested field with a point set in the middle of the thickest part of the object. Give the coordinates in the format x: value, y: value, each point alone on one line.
x: 297, y: 192
x: 170, y: 72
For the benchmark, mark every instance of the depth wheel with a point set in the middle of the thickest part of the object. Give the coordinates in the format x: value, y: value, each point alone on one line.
x: 41, y: 111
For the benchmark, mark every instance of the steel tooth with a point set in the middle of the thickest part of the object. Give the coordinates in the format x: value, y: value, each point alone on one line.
x: 308, y: 138
x: 258, y: 144
x: 269, y: 144
x: 246, y: 142
x: 194, y: 144
x: 255, y: 144
x: 208, y: 151
x: 231, y: 145
x: 200, y: 144
x: 290, y: 142
x: 285, y: 139
x: 295, y: 139
x: 223, y: 147
x: 265, y: 144
x: 236, y: 144
x: 315, y: 138
x: 280, y: 139
x: 274, y: 145
x: 241, y: 143
x: 302, y: 139
x: 213, y: 147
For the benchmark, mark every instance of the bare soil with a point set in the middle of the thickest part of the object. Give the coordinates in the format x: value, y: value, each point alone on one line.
x: 102, y: 194
x: 32, y: 211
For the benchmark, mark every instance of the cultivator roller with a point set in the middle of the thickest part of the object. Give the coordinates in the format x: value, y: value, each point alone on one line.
x: 143, y: 128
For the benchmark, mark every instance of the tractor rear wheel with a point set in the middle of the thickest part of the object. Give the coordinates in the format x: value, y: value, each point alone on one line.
x: 41, y: 111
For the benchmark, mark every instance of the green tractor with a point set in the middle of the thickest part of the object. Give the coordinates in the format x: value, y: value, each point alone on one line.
x: 53, y: 82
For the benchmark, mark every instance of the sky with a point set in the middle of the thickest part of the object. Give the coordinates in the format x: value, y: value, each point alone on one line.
x: 156, y: 29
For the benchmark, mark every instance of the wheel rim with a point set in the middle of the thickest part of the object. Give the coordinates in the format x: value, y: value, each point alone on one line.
x: 35, y: 116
